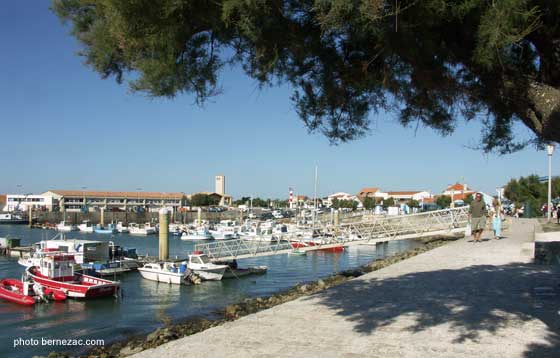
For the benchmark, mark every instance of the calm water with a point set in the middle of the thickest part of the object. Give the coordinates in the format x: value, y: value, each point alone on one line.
x: 146, y: 304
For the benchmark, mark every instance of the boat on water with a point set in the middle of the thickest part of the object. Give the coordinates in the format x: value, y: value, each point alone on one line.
x: 225, y: 230
x: 109, y: 229
x: 12, y: 219
x: 233, y: 271
x: 195, y: 235
x: 83, y: 250
x: 63, y: 226
x: 121, y: 228
x: 201, y: 265
x: 166, y: 272
x: 136, y: 229
x: 26, y: 293
x: 57, y: 272
x: 86, y: 226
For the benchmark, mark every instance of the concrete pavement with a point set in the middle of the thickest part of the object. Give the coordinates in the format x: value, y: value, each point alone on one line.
x: 463, y: 299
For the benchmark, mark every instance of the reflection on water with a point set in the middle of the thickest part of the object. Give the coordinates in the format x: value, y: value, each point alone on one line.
x: 144, y: 304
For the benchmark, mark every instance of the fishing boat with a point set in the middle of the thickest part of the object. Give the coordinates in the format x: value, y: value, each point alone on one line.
x: 195, y: 235
x: 86, y: 226
x: 57, y: 272
x: 167, y: 272
x: 225, y: 230
x: 146, y: 229
x: 12, y: 219
x: 121, y: 228
x: 109, y: 229
x: 64, y: 227
x: 200, y: 264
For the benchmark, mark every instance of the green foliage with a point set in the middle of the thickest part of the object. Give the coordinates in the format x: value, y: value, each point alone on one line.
x: 204, y: 200
x: 443, y: 201
x: 344, y: 204
x: 261, y: 203
x: 369, y: 203
x: 413, y: 203
x: 530, y: 190
x: 388, y: 202
x: 245, y: 200
x: 468, y: 199
x: 430, y: 61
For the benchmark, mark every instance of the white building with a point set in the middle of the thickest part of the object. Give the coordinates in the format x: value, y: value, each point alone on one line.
x: 22, y: 202
x: 408, y: 195
x: 342, y: 196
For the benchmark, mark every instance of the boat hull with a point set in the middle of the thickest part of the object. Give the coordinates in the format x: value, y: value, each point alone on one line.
x: 12, y: 290
x: 171, y: 278
x: 88, y: 287
x: 210, y: 274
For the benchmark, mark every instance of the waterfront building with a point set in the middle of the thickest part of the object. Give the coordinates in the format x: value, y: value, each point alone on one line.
x: 417, y: 195
x: 342, y: 196
x: 22, y: 202
x: 2, y: 200
x: 78, y: 200
x: 458, y: 192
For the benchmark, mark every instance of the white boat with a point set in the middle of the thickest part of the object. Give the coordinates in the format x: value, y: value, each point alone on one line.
x: 195, y: 235
x: 64, y: 227
x: 200, y: 264
x: 225, y: 230
x: 86, y: 226
x: 121, y: 228
x: 167, y: 272
x: 146, y: 229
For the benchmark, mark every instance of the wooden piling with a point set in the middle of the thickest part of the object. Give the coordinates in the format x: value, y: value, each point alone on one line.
x: 163, y: 234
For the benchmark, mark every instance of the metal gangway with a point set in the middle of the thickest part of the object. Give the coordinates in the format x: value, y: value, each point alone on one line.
x: 371, y: 229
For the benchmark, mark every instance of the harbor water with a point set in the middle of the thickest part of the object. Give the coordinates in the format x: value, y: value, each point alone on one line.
x: 146, y: 305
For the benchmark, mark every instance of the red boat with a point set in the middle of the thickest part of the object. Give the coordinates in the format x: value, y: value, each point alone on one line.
x: 300, y: 244
x: 56, y: 272
x: 12, y: 290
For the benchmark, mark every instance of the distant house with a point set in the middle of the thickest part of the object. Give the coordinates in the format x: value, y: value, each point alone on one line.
x: 342, y: 196
x: 371, y: 193
x: 417, y: 195
x: 458, y: 192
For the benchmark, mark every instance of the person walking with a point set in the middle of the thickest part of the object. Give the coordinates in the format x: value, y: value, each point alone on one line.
x: 477, y: 215
x: 497, y: 219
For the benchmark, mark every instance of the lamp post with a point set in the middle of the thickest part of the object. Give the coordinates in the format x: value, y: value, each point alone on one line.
x: 549, y: 151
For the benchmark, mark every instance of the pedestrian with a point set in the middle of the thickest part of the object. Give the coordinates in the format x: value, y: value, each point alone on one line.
x: 477, y: 214
x: 497, y: 219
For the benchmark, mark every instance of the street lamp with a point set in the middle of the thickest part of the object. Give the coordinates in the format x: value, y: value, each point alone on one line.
x: 549, y: 151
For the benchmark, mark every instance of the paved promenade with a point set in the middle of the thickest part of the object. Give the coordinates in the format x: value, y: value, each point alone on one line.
x: 461, y: 300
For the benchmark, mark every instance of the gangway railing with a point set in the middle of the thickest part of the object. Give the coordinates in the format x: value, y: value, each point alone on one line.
x: 372, y: 228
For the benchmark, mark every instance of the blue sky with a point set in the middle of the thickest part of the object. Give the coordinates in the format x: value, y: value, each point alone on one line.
x: 63, y: 127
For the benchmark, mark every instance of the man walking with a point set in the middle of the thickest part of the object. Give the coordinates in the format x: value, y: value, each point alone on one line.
x: 478, y: 213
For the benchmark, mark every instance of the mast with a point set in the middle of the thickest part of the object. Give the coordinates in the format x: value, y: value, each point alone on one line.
x: 315, y: 198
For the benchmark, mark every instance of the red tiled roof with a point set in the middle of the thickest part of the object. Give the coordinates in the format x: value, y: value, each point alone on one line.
x: 456, y: 186
x: 118, y: 194
x: 369, y: 190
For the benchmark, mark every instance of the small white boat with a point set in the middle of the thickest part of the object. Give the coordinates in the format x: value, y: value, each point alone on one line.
x: 146, y: 229
x: 167, y: 272
x: 200, y: 264
x: 121, y: 228
x: 194, y: 235
x: 85, y: 226
x: 64, y: 227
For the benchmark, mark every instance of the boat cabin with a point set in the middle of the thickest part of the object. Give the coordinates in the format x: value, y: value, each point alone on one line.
x: 58, y: 267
